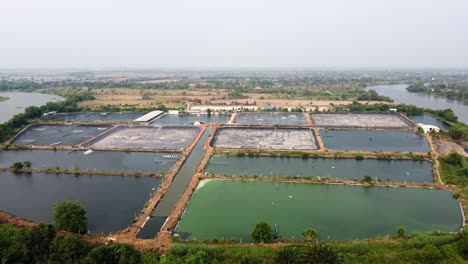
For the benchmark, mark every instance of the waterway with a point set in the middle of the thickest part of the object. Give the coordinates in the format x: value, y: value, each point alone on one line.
x: 111, y: 161
x: 349, y: 169
x: 174, y: 193
x: 230, y: 209
x: 111, y: 202
x: 400, y: 95
x: 374, y: 140
x: 19, y: 101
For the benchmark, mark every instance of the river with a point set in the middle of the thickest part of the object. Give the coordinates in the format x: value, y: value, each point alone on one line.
x: 400, y: 95
x: 18, y: 101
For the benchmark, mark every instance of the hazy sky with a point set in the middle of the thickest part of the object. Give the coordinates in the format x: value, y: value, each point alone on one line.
x: 236, y: 33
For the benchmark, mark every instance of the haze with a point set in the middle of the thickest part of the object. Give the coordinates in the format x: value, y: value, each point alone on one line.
x: 210, y: 33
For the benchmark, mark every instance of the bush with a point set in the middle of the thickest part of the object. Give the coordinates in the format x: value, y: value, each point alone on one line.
x: 360, y: 156
x: 401, y: 232
x: 262, y: 233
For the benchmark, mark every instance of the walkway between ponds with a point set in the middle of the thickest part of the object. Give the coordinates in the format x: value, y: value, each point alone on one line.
x: 177, y: 188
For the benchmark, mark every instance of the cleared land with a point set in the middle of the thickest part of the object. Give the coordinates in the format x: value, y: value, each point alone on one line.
x: 162, y: 138
x: 360, y: 120
x: 276, y: 118
x: 58, y: 134
x: 265, y: 138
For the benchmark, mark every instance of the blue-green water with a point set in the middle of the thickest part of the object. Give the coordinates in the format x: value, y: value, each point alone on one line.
x: 374, y: 140
x: 385, y: 170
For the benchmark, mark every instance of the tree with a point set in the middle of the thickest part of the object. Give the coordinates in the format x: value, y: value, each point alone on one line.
x: 17, y: 166
x: 70, y: 216
x: 27, y: 164
x: 262, y: 233
x: 456, y: 132
x: 455, y: 159
x: 208, y: 112
x: 287, y: 255
x: 68, y: 249
x: 401, y: 231
x: 33, y: 245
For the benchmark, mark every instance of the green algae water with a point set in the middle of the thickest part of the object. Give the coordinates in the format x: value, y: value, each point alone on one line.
x: 350, y: 169
x: 229, y: 209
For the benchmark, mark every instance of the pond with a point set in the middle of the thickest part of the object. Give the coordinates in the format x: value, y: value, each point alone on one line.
x: 374, y: 140
x: 230, y: 209
x: 188, y: 120
x: 350, y: 169
x: 111, y: 161
x: 110, y: 201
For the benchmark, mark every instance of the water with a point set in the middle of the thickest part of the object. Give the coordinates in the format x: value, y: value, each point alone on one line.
x: 230, y: 209
x: 19, y: 101
x: 429, y: 120
x: 188, y: 120
x: 110, y: 201
x: 275, y: 118
x: 179, y: 184
x: 96, y: 117
x: 58, y: 134
x: 400, y: 95
x: 374, y: 140
x: 392, y: 170
x: 112, y: 161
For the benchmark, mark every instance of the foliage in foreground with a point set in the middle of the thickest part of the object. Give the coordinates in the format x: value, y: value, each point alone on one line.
x: 71, y: 217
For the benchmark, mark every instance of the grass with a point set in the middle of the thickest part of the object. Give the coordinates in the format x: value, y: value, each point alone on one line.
x: 3, y: 98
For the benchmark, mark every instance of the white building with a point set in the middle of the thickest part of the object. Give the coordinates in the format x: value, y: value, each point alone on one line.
x: 200, y: 109
x: 429, y: 128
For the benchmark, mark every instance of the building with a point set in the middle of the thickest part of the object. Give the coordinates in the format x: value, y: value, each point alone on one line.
x: 429, y: 128
x: 202, y: 109
x: 173, y: 112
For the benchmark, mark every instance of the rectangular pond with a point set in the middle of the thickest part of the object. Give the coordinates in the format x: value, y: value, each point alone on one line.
x: 58, y: 134
x: 110, y: 201
x: 265, y: 138
x: 230, y: 209
x: 349, y: 169
x: 374, y: 140
x: 360, y: 120
x: 188, y: 120
x: 95, y: 117
x: 270, y: 118
x: 111, y: 161
x: 146, y: 137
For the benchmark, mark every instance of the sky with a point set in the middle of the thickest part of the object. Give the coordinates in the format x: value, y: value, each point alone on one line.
x: 121, y: 34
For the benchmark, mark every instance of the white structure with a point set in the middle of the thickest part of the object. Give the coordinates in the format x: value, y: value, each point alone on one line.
x: 200, y: 109
x: 148, y: 117
x: 173, y: 112
x: 392, y: 110
x: 429, y: 128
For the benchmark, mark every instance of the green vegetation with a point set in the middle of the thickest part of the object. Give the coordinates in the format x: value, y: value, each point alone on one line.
x: 454, y: 169
x: 262, y: 233
x: 71, y: 217
x: 3, y: 98
x: 401, y: 232
x: 451, y: 91
x: 17, y: 166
